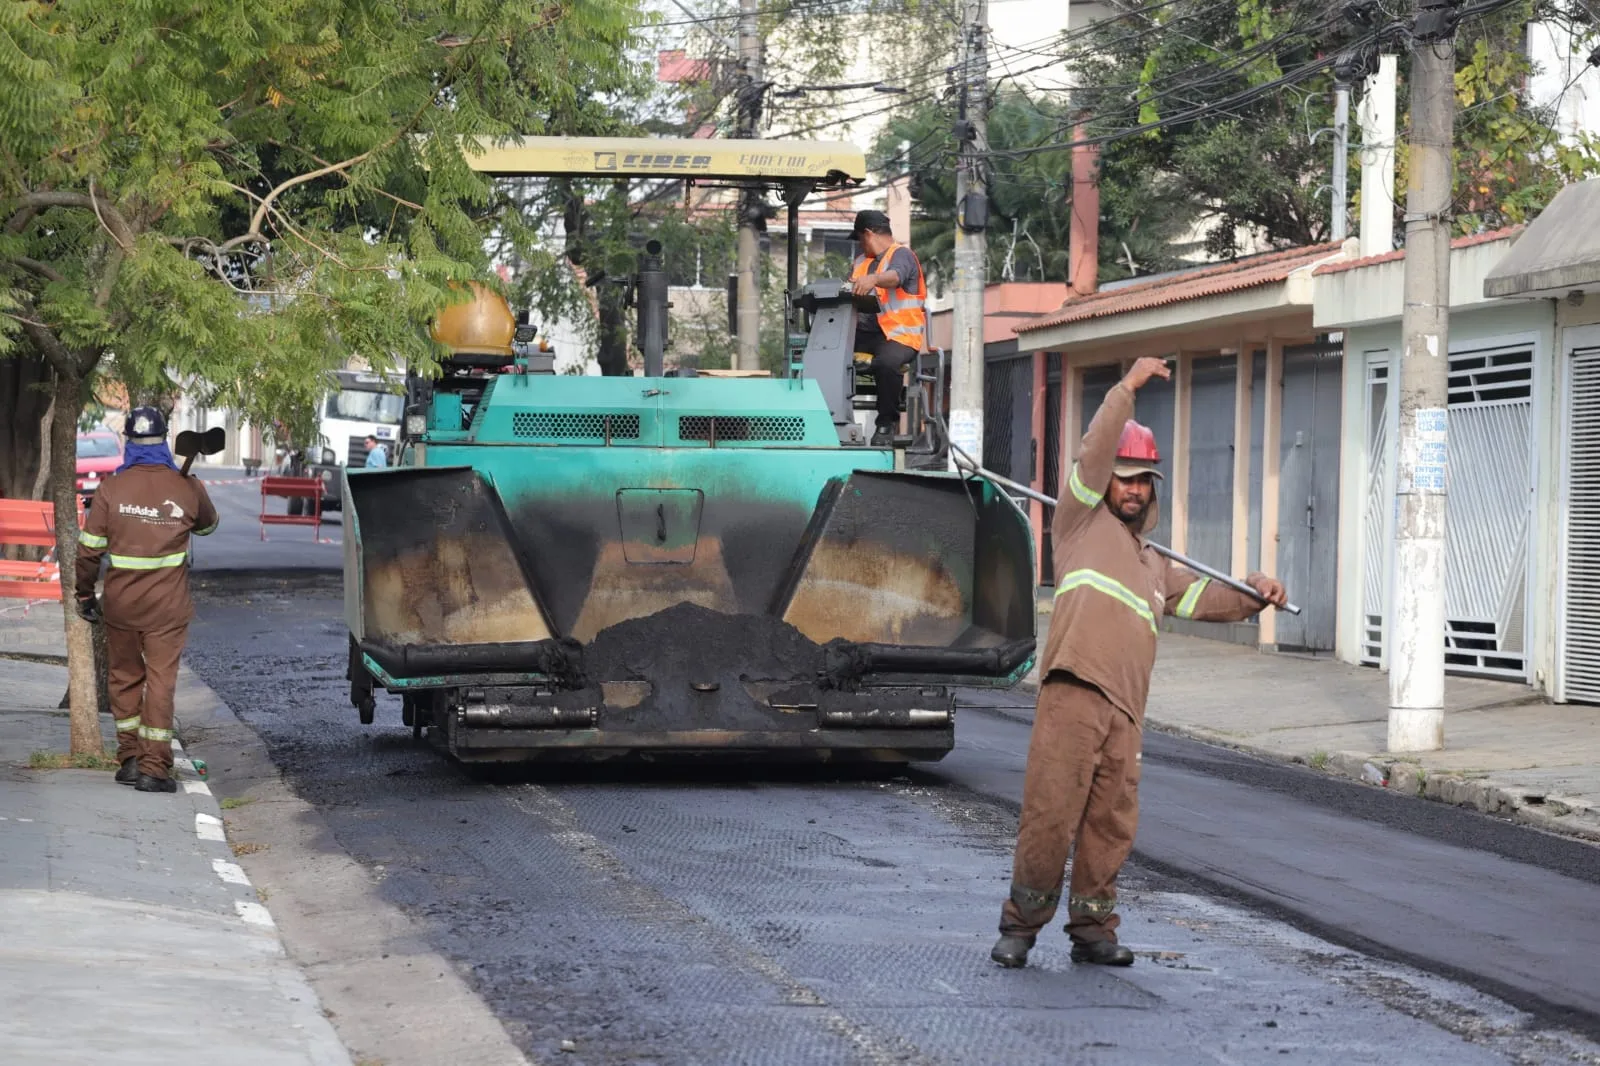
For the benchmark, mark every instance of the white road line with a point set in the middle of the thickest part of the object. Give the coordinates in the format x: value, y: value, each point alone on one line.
x: 208, y: 827
x: 254, y: 913
x: 196, y: 788
x: 230, y: 872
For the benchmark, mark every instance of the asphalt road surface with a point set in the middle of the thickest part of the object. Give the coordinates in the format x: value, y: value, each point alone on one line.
x: 739, y: 915
x: 237, y: 543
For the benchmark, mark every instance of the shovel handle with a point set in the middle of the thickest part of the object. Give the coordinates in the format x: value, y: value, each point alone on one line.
x: 968, y: 463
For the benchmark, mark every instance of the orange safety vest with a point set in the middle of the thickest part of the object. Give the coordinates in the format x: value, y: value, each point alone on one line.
x: 902, y: 314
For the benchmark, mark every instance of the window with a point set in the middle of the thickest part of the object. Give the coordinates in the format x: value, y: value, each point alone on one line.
x: 356, y: 405
x: 97, y: 447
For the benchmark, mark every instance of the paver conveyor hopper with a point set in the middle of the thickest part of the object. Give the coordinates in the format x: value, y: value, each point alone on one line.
x: 597, y: 566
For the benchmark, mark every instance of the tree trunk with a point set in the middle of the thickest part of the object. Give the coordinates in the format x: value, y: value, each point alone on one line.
x: 41, y: 481
x: 26, y: 385
x: 84, y: 679
x: 612, y: 352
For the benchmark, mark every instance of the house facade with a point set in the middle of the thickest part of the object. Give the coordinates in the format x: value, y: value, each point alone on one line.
x: 1278, y: 439
x: 1504, y: 392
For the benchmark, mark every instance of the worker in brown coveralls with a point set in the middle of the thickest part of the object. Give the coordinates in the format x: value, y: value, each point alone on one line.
x: 142, y: 517
x: 1082, y: 778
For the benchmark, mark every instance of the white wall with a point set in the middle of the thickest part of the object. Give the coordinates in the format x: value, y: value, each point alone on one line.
x: 1563, y: 78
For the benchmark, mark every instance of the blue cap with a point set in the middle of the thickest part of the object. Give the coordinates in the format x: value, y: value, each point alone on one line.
x: 145, y: 425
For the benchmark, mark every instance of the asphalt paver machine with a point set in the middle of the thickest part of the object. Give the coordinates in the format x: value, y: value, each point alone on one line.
x: 679, y: 562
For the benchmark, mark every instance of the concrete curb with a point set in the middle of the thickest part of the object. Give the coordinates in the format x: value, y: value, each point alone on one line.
x: 1567, y: 815
x: 391, y: 996
x: 211, y: 833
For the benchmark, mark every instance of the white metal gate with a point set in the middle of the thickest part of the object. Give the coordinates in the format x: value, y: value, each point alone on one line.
x: 1490, y: 485
x: 1377, y: 526
x: 1579, y: 631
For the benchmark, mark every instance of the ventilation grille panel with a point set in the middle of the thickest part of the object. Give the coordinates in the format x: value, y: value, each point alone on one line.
x: 574, y: 425
x: 1580, y: 635
x: 790, y: 428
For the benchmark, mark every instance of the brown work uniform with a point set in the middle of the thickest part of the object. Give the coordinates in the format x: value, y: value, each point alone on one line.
x: 1082, y: 778
x: 142, y: 518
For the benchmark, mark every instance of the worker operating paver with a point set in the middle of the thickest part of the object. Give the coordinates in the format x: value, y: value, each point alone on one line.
x: 1082, y: 778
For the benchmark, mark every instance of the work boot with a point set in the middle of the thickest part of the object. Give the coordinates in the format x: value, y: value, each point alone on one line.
x: 128, y: 773
x: 1101, y: 953
x: 882, y: 437
x: 156, y: 784
x: 1011, y: 951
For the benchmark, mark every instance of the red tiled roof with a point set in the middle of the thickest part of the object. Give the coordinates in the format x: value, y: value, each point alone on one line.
x: 1390, y: 257
x: 1192, y: 284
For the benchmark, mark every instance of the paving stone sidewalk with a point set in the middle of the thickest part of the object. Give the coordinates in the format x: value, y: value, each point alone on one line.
x: 1507, y: 751
x: 127, y: 932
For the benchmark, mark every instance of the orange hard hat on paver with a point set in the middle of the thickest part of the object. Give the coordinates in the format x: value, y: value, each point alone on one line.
x: 1136, y: 451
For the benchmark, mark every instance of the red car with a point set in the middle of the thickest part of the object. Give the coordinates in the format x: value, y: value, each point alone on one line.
x: 99, y: 455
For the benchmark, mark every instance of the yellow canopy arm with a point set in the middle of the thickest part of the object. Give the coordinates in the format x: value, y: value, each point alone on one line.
x: 829, y: 164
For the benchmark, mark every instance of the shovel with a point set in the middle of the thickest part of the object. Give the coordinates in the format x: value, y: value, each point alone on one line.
x: 190, y: 444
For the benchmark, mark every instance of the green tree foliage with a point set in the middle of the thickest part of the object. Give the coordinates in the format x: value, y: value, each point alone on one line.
x: 1143, y: 219
x: 1252, y: 161
x: 1509, y: 162
x: 247, y: 194
x: 244, y: 194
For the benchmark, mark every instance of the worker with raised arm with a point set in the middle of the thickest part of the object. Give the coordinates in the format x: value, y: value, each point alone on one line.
x: 1111, y: 589
x: 142, y: 517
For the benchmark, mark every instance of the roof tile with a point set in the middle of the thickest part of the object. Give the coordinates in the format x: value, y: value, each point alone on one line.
x: 1400, y: 253
x: 1213, y: 280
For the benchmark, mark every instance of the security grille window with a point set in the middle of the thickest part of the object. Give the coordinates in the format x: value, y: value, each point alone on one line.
x: 1008, y: 419
x: 573, y: 425
x: 1580, y: 655
x: 742, y: 427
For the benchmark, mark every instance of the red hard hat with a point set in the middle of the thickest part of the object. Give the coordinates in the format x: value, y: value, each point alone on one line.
x: 1136, y: 451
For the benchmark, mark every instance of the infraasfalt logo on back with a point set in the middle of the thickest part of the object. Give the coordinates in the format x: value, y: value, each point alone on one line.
x: 137, y: 510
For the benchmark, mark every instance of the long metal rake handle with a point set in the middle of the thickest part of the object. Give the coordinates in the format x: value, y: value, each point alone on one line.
x: 972, y: 465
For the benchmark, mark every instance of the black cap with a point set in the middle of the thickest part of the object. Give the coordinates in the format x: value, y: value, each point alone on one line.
x: 876, y: 221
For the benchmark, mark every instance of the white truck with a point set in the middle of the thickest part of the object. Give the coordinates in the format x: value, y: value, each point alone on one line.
x: 363, y: 404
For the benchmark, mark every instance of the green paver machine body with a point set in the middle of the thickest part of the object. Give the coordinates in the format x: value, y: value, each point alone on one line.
x: 598, y: 566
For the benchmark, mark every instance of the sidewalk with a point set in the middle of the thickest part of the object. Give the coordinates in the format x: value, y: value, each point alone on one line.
x: 128, y: 934
x: 1506, y: 751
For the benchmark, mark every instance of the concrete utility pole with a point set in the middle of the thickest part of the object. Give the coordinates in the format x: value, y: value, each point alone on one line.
x: 1417, y: 619
x: 748, y: 269
x: 972, y: 218
x: 1341, y: 160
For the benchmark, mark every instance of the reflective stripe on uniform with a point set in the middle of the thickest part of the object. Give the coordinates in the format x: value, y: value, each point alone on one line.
x: 155, y: 733
x: 1095, y: 907
x: 127, y: 725
x: 1191, y: 598
x: 1084, y: 494
x: 212, y: 528
x: 1111, y: 587
x: 91, y: 540
x: 143, y: 562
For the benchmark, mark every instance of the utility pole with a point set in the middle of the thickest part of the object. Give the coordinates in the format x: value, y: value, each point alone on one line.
x: 748, y: 269
x: 1341, y: 160
x: 972, y: 218
x: 1417, y: 619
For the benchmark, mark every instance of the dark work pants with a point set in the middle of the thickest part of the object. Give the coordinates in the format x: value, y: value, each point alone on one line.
x: 142, y: 669
x: 1081, y: 785
x: 889, y: 359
